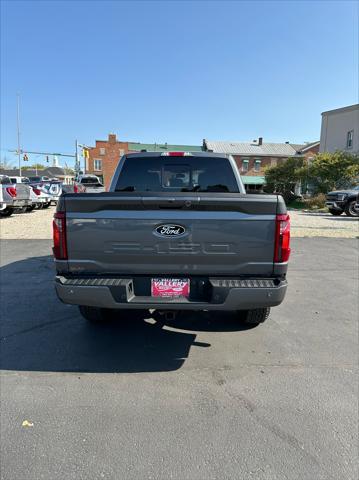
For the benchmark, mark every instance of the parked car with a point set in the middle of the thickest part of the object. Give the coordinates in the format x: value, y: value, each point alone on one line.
x: 38, y: 196
x: 19, y: 179
x: 43, y: 198
x: 91, y: 183
x: 341, y: 201
x: 7, y: 194
x: 38, y: 179
x: 54, y: 189
x: 356, y: 206
x: 16, y: 196
x: 175, y: 232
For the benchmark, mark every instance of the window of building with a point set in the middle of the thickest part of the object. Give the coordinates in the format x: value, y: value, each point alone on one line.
x: 257, y: 165
x: 122, y: 152
x: 102, y: 151
x: 97, y: 165
x: 245, y: 163
x: 350, y: 136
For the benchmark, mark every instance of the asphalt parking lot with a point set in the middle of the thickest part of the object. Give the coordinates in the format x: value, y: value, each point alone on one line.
x: 199, y: 398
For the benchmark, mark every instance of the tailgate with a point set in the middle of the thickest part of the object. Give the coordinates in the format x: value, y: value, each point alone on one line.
x: 197, y: 235
x: 94, y: 188
x: 22, y: 192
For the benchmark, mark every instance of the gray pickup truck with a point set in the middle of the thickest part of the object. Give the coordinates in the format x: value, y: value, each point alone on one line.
x: 175, y: 232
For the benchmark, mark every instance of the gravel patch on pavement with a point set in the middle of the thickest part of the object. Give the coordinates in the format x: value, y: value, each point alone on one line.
x: 311, y: 224
x: 32, y: 226
x: 38, y: 225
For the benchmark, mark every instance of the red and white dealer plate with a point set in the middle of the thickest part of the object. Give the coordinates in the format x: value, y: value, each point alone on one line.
x: 170, y: 287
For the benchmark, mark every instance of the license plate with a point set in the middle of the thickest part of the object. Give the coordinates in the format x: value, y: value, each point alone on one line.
x: 170, y: 287
x: 19, y: 203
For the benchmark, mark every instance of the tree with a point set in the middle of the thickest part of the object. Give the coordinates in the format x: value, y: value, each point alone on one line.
x: 325, y: 172
x: 283, y: 177
x: 328, y: 171
x: 34, y: 166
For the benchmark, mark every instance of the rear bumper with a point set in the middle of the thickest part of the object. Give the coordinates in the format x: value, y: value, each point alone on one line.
x: 44, y: 200
x: 222, y: 294
x: 21, y: 203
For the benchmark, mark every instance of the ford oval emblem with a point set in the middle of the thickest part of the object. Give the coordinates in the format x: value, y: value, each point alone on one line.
x: 170, y: 230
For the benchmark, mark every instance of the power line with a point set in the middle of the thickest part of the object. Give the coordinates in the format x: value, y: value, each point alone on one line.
x: 43, y: 153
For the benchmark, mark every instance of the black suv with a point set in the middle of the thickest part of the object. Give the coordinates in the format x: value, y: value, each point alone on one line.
x: 343, y: 201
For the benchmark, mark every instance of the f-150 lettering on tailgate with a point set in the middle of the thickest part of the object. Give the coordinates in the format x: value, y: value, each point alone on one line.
x: 184, y: 248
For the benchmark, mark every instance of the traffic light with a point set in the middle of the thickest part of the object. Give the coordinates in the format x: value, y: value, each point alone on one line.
x: 86, y: 153
x: 25, y: 157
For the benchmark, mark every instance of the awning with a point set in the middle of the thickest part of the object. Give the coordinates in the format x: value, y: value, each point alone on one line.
x: 255, y: 180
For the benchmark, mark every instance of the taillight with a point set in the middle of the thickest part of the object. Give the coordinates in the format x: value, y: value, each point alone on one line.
x: 59, y: 236
x: 76, y: 188
x: 11, y: 191
x: 282, y: 239
x: 36, y: 190
x: 176, y: 154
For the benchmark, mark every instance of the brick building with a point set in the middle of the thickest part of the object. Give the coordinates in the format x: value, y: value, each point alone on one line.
x: 104, y: 157
x: 254, y: 157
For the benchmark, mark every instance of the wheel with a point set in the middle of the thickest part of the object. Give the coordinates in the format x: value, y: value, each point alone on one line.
x: 256, y: 316
x: 39, y: 206
x: 350, y: 210
x: 30, y: 208
x: 46, y: 205
x: 6, y: 212
x: 336, y: 213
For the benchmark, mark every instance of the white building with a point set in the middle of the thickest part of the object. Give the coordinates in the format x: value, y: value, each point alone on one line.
x: 340, y: 130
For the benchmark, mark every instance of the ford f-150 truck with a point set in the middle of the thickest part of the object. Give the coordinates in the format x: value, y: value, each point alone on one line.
x: 341, y: 201
x: 176, y: 231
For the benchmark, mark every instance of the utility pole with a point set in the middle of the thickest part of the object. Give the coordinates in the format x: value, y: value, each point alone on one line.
x: 18, y: 132
x: 77, y: 161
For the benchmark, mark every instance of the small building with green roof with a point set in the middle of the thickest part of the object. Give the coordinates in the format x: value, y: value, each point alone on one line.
x: 162, y: 147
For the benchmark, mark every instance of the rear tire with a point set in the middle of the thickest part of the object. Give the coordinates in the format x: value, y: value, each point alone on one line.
x: 336, y: 213
x: 6, y: 212
x: 350, y: 210
x: 256, y: 316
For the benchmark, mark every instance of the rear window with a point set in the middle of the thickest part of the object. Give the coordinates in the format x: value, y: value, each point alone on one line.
x: 90, y: 180
x: 177, y: 174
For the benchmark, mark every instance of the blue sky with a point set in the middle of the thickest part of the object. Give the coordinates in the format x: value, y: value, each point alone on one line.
x: 173, y: 71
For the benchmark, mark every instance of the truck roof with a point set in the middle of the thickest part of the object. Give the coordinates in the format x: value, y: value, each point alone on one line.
x: 180, y: 154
